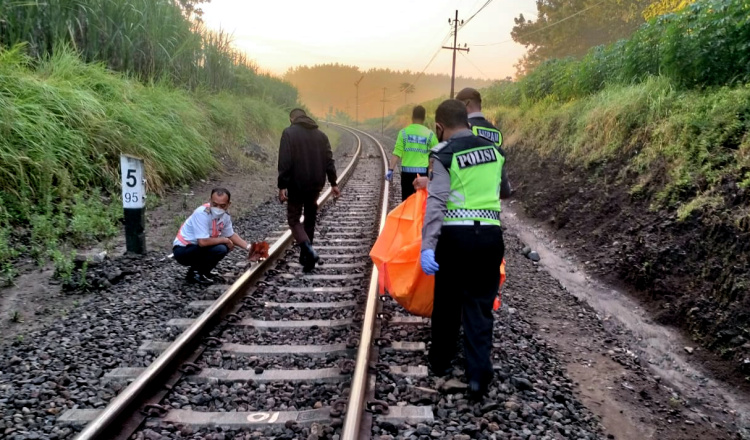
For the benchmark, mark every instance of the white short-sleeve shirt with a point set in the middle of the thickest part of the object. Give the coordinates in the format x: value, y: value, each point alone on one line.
x: 203, y: 224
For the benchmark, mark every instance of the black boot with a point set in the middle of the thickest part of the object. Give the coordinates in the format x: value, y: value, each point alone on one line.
x: 477, y: 391
x: 307, y: 257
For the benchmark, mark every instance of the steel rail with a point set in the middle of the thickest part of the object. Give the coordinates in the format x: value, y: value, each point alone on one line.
x: 356, y: 404
x: 148, y: 382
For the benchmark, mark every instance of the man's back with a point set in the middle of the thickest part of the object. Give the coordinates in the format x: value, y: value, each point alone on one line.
x: 305, y: 156
x: 413, y: 145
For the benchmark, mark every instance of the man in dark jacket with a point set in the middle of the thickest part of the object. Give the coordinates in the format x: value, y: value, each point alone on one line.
x: 305, y: 160
x: 479, y: 125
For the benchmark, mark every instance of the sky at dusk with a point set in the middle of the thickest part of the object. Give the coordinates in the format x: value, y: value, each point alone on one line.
x: 400, y: 35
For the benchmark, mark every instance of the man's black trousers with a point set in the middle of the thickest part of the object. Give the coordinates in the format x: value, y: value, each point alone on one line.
x: 465, y: 288
x: 407, y: 184
x: 299, y: 201
x: 200, y: 259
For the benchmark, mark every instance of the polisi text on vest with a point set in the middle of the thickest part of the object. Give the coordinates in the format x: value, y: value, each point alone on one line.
x: 477, y: 157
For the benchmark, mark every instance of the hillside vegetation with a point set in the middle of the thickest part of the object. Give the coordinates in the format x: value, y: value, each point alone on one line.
x: 672, y: 100
x: 588, y: 23
x: 645, y: 149
x: 82, y: 81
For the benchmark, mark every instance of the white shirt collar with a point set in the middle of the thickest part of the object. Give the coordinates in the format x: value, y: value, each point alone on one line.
x: 476, y: 115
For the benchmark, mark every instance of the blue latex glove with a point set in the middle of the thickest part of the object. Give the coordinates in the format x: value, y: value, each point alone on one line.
x: 389, y: 175
x: 429, y: 265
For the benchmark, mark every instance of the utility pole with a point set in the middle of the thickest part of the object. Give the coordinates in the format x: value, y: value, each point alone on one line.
x: 382, y: 119
x: 455, y: 48
x: 356, y: 85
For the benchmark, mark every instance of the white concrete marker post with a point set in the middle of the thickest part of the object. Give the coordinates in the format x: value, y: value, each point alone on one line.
x: 134, y: 203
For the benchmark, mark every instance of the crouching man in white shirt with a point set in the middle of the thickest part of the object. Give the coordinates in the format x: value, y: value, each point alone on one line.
x: 206, y: 238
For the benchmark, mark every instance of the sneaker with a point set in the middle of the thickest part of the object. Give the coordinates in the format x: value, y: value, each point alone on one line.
x: 193, y: 277
x: 215, y: 278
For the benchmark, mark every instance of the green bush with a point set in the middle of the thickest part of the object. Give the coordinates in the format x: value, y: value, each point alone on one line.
x: 64, y: 125
x: 64, y: 265
x: 7, y: 252
x: 91, y: 220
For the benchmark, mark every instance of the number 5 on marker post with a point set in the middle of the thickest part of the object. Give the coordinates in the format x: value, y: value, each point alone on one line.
x: 133, y: 184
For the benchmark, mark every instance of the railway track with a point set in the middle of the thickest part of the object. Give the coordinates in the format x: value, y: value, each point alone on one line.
x: 280, y: 353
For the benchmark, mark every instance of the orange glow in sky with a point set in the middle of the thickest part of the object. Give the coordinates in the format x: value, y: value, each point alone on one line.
x: 400, y: 35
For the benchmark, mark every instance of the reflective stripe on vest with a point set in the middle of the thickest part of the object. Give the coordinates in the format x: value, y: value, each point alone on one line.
x: 417, y: 142
x: 180, y: 237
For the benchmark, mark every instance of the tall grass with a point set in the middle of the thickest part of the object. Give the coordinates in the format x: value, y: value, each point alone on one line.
x: 705, y: 44
x: 64, y: 123
x: 150, y: 39
x: 82, y: 81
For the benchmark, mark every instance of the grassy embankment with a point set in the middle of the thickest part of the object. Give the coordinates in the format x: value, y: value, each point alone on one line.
x: 143, y: 80
x: 662, y: 118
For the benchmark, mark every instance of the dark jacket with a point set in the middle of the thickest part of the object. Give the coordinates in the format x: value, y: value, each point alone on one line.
x: 481, y: 122
x: 305, y: 157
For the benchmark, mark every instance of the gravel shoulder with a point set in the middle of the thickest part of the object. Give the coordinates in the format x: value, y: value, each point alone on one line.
x: 37, y: 299
x: 56, y: 360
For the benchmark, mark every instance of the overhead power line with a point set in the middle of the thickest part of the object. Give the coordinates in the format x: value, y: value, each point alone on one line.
x: 429, y: 63
x: 452, y: 33
x: 487, y: 3
x: 475, y: 66
x: 545, y: 27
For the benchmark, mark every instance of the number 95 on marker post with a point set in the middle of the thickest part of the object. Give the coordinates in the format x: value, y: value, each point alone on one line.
x: 133, y: 183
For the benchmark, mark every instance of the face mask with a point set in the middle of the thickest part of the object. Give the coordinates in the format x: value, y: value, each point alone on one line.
x: 216, y: 211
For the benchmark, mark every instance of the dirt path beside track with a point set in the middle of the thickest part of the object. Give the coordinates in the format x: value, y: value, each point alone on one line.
x: 633, y: 373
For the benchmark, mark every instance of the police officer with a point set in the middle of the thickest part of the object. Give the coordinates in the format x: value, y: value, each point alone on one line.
x: 479, y: 125
x: 462, y: 243
x: 413, y: 148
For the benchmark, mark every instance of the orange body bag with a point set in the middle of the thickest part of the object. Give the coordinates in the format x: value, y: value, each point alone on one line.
x: 397, y: 253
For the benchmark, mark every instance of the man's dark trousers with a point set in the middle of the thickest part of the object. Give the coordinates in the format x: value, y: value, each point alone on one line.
x: 300, y: 200
x: 465, y: 288
x: 200, y: 259
x: 407, y: 184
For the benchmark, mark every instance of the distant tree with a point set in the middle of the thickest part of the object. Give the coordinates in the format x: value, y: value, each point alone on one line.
x: 407, y: 88
x: 565, y: 28
x: 343, y: 117
x: 665, y: 7
x: 192, y: 9
x: 324, y: 85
